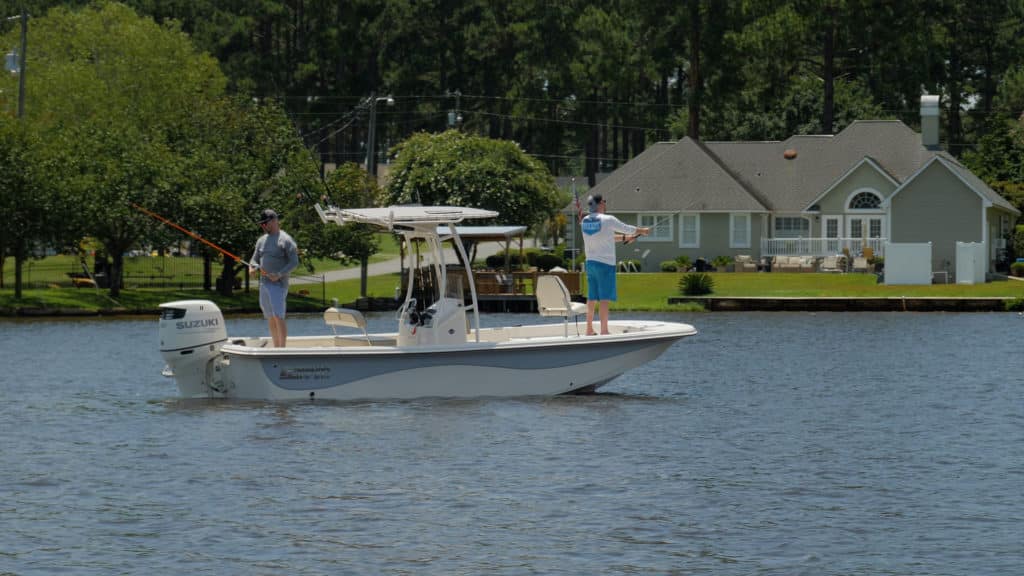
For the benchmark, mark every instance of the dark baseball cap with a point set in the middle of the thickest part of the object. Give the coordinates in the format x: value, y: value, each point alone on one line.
x: 267, y: 215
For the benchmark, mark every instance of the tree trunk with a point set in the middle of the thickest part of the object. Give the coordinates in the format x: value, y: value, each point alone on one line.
x: 364, y: 269
x: 227, y: 278
x: 19, y: 261
x: 207, y: 271
x: 116, y: 268
x: 828, y: 70
x: 693, y: 130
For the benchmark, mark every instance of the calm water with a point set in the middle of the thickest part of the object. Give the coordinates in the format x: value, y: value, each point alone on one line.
x: 769, y: 444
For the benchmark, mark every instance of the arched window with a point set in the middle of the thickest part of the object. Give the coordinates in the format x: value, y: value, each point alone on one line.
x: 865, y: 201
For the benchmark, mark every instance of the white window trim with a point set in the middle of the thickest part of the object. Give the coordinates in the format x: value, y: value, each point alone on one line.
x: 696, y: 216
x: 658, y: 217
x: 732, y: 228
x: 851, y: 195
x: 839, y: 225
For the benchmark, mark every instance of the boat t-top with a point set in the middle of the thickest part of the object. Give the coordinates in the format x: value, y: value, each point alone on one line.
x: 438, y: 350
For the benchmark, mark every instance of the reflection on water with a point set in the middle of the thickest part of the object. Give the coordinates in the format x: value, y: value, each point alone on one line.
x: 768, y: 444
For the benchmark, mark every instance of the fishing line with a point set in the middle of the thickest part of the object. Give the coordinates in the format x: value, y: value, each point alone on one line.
x: 190, y: 233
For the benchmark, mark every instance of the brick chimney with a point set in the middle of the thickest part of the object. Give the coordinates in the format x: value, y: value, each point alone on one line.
x: 930, y: 121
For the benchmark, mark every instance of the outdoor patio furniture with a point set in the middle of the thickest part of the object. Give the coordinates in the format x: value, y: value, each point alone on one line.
x: 793, y: 264
x: 860, y: 264
x: 832, y: 264
x: 745, y: 263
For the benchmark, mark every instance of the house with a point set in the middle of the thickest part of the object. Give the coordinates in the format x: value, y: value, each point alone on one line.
x: 876, y: 181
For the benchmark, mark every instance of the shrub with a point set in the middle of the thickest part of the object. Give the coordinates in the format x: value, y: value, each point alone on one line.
x: 721, y: 261
x: 670, y: 266
x: 548, y: 261
x: 683, y: 261
x: 1017, y: 269
x: 696, y: 284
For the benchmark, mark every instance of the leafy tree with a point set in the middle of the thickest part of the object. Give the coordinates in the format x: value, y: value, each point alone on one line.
x: 458, y: 169
x: 26, y: 202
x: 348, y: 187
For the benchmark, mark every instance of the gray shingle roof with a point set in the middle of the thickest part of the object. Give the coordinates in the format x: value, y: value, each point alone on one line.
x: 756, y: 176
x: 675, y: 176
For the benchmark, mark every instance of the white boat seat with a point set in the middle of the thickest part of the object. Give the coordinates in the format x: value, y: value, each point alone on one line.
x: 553, y: 299
x: 346, y: 317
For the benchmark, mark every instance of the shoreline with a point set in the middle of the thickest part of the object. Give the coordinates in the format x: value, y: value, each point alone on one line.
x: 710, y: 304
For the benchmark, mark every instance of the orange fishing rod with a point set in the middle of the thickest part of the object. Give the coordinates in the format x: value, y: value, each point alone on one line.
x: 190, y: 233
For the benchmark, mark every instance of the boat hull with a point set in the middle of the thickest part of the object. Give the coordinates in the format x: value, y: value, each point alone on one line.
x: 544, y: 366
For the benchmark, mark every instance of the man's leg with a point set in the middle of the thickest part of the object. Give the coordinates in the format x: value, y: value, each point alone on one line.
x: 278, y: 331
x: 590, y: 316
x: 604, y: 316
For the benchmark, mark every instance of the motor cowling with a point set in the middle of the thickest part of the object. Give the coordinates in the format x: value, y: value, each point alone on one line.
x: 191, y: 334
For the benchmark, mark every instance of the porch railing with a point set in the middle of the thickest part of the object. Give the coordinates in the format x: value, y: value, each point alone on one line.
x: 820, y: 246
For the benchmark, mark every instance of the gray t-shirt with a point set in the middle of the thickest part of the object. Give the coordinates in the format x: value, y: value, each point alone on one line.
x: 276, y: 254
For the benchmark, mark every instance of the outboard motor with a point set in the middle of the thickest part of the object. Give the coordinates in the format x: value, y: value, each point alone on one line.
x: 191, y: 334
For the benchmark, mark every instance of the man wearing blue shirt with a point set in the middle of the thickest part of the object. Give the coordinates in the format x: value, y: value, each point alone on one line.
x: 276, y: 255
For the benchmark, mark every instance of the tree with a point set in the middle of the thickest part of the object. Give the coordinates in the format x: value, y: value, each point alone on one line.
x: 463, y: 170
x: 25, y: 200
x: 347, y: 187
x: 116, y: 89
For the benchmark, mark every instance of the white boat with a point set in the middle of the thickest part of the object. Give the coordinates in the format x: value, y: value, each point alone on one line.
x: 438, y: 350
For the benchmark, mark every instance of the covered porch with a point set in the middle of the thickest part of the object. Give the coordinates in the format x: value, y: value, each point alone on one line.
x: 820, y: 247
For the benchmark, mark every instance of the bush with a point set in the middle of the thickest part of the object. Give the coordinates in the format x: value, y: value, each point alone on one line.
x: 683, y: 262
x: 497, y: 260
x: 669, y: 266
x: 548, y: 261
x: 696, y: 284
x: 1017, y: 269
x: 721, y: 261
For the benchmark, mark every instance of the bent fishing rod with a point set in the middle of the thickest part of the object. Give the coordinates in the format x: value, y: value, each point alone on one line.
x: 192, y: 234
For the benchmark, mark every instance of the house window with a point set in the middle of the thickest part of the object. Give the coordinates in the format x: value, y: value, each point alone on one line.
x: 689, y: 230
x: 791, y: 227
x: 660, y: 225
x: 831, y: 228
x: 739, y: 230
x: 865, y: 201
x: 875, y: 228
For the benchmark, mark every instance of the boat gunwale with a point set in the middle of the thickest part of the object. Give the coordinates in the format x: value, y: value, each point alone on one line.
x: 652, y: 331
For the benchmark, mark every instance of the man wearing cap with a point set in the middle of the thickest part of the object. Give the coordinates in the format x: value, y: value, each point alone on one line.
x: 600, y: 231
x: 276, y: 255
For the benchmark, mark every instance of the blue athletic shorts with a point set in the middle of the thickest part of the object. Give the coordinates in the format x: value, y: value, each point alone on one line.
x: 601, y: 281
x: 273, y: 296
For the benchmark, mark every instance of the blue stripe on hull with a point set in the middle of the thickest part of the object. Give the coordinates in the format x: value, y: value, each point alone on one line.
x: 321, y: 372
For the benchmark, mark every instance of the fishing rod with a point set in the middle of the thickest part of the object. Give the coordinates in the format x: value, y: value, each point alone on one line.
x: 192, y: 234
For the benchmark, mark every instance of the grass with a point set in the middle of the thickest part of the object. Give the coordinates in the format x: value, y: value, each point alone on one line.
x: 641, y: 292
x: 53, y: 270
x: 651, y: 291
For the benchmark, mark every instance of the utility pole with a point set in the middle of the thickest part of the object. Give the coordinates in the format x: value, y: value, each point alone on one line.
x: 371, y: 152
x: 16, y: 60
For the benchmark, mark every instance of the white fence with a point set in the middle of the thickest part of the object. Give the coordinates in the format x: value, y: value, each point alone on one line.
x: 908, y: 263
x: 820, y: 246
x: 971, y: 261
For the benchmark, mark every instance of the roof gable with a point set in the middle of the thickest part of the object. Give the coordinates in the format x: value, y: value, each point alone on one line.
x: 968, y: 178
x: 675, y: 176
x: 871, y: 163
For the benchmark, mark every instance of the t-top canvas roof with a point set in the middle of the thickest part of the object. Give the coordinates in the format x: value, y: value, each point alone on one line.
x: 403, y: 215
x: 483, y: 233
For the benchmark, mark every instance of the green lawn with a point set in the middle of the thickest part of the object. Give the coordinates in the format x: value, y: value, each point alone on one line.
x: 156, y: 269
x: 651, y: 291
x: 636, y: 291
